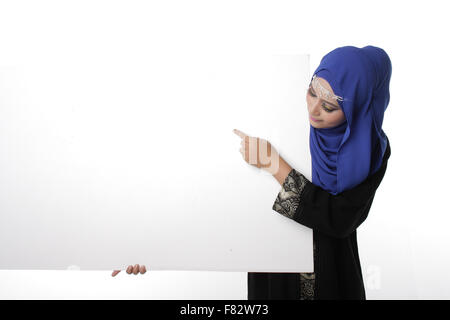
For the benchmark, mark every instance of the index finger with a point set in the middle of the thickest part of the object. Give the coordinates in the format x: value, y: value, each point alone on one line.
x: 240, y: 133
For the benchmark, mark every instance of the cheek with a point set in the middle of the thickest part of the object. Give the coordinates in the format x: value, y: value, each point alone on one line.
x: 336, y: 117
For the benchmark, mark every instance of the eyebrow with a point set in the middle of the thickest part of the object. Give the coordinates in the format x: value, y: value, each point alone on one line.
x: 314, y: 91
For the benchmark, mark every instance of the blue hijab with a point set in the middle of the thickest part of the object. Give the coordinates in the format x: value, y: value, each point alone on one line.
x: 345, y: 155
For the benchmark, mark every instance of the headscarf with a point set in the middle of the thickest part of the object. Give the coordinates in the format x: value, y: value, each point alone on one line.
x: 345, y: 155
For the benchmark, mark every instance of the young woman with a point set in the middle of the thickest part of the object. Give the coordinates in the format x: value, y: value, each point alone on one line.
x: 346, y: 100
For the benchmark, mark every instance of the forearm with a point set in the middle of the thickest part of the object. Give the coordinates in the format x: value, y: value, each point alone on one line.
x: 283, y: 171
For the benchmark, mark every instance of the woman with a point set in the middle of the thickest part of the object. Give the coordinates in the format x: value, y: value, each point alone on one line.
x: 346, y: 99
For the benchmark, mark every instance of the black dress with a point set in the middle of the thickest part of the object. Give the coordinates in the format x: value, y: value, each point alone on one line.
x: 334, y: 219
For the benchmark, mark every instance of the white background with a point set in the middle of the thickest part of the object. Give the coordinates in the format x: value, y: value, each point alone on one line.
x: 403, y: 243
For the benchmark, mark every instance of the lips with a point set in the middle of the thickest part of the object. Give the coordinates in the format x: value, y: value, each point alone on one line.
x: 315, y: 120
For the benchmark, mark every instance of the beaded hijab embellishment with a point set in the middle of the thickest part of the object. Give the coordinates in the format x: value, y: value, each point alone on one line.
x: 323, y: 92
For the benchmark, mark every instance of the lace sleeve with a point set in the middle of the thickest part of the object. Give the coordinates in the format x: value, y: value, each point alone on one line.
x: 289, y: 198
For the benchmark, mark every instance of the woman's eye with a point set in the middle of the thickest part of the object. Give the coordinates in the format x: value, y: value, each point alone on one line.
x: 326, y: 109
x: 323, y: 106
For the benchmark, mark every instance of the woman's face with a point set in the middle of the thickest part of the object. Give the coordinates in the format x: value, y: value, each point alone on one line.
x: 327, y: 113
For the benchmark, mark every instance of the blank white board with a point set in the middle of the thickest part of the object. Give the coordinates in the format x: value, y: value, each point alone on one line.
x: 115, y: 151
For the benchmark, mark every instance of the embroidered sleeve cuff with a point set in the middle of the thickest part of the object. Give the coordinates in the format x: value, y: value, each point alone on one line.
x: 289, y: 198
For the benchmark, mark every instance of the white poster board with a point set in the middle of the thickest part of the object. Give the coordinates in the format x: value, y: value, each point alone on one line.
x: 114, y: 151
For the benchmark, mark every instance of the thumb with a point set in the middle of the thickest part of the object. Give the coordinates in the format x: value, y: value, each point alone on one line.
x: 115, y: 272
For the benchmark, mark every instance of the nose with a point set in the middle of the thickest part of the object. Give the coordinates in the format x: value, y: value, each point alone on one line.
x: 315, y: 108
